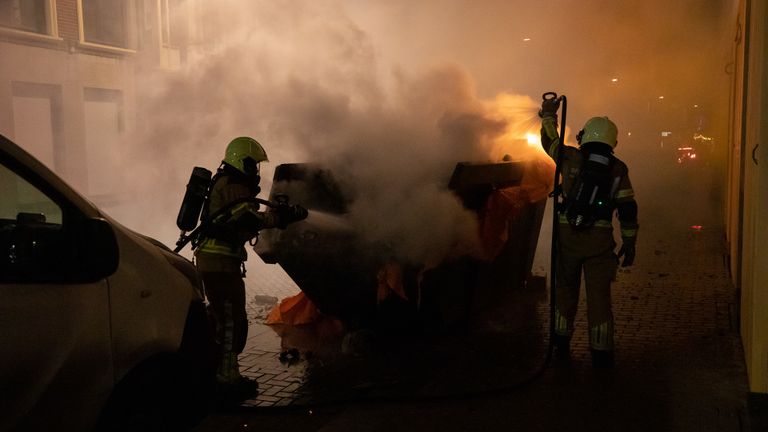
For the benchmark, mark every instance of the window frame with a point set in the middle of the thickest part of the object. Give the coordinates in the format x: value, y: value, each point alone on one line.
x: 52, y: 27
x: 130, y: 33
x: 170, y: 23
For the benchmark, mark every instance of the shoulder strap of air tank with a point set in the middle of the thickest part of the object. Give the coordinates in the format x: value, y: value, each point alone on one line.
x: 204, y: 215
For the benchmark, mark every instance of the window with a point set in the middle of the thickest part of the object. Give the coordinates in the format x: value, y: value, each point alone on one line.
x: 26, y: 15
x: 30, y: 230
x: 171, y: 21
x: 22, y: 201
x: 106, y: 22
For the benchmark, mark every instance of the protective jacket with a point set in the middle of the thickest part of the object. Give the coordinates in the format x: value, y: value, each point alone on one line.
x: 222, y: 247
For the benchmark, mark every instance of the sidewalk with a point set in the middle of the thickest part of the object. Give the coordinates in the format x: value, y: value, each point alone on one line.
x: 679, y: 367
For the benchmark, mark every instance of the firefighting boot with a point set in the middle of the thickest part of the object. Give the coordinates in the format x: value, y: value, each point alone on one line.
x: 602, y: 359
x: 228, y: 369
x: 232, y: 386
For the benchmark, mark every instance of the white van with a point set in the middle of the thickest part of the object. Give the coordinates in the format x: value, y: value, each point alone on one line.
x: 100, y: 327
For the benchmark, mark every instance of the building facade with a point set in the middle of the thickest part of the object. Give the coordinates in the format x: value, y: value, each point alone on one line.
x: 68, y: 80
x: 747, y: 184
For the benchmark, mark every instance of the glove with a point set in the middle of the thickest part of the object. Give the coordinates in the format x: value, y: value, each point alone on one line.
x: 549, y: 107
x: 299, y: 213
x: 627, y: 250
x: 288, y: 214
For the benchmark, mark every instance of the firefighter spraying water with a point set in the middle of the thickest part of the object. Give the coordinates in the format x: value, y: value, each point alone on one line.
x: 230, y: 217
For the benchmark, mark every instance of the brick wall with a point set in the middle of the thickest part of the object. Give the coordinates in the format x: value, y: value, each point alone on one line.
x: 66, y: 11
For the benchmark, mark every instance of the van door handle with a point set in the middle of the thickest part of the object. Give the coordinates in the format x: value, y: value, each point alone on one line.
x: 754, y: 153
x: 145, y: 293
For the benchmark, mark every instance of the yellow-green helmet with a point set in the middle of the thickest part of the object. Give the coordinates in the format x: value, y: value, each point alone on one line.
x: 599, y: 129
x: 242, y: 148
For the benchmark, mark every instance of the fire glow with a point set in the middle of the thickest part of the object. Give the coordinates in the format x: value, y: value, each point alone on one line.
x: 520, y: 138
x: 533, y: 139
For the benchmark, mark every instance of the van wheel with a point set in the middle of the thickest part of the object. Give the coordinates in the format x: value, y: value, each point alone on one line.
x: 158, y: 395
x: 169, y: 391
x: 198, y: 344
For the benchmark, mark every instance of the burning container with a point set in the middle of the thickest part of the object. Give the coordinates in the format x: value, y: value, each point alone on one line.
x: 364, y: 285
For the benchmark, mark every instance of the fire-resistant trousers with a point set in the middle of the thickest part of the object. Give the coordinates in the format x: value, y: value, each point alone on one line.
x: 226, y: 296
x: 590, y: 250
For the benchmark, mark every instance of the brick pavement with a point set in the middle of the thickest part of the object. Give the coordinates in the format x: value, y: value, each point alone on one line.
x: 266, y: 285
x: 267, y: 279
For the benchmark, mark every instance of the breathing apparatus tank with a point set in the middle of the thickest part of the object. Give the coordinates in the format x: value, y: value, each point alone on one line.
x: 194, y: 198
x: 589, y: 197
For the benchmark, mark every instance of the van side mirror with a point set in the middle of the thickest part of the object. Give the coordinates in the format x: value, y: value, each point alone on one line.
x: 97, y: 251
x: 33, y: 251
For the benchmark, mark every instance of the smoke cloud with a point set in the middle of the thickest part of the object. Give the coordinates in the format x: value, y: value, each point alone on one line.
x: 304, y: 80
x: 391, y: 95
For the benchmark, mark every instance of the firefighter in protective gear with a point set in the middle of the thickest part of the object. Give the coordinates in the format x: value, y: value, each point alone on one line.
x: 220, y: 253
x: 589, y: 247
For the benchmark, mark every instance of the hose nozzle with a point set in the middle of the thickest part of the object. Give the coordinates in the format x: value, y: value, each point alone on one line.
x: 551, y: 96
x: 550, y: 103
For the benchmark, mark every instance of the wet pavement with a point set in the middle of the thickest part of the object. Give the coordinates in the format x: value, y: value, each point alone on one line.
x: 679, y: 364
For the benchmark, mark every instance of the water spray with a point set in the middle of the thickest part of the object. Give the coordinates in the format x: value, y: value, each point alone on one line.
x: 328, y: 221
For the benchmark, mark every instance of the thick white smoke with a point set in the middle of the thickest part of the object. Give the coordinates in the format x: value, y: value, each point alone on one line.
x: 392, y: 94
x: 304, y: 80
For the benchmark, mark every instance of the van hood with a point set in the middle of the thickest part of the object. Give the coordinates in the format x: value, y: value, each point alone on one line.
x: 178, y: 262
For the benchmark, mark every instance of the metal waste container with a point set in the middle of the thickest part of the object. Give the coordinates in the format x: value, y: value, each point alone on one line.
x: 342, y: 274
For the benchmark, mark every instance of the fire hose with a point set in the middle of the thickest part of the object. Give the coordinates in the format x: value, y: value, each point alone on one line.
x: 556, y: 192
x: 280, y: 201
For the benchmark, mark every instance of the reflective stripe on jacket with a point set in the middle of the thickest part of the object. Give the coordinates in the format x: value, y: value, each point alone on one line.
x: 235, y: 226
